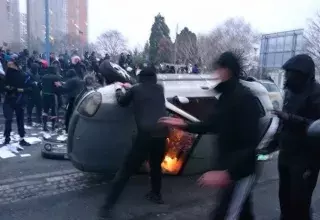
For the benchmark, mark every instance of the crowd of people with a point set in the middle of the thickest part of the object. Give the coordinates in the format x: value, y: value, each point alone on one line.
x: 30, y: 80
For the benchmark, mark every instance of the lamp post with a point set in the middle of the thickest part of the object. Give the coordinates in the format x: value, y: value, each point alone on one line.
x: 47, y: 16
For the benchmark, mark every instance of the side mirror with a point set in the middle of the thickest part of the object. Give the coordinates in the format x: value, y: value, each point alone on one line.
x: 181, y: 99
x: 314, y: 129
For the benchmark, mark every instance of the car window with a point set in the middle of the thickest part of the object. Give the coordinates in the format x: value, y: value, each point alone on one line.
x: 266, y: 85
x: 273, y: 88
x: 201, y: 108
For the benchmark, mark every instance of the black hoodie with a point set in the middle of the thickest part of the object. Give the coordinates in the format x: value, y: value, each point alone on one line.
x: 303, y: 105
x: 148, y: 102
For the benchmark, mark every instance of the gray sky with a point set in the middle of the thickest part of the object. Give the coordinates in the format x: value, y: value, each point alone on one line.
x: 133, y: 18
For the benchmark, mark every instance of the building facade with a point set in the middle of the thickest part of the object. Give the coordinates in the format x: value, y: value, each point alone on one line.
x: 276, y: 49
x: 77, y: 14
x: 10, y: 22
x: 23, y: 30
x: 67, y: 17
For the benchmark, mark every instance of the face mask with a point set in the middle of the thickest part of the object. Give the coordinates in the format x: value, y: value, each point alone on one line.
x: 295, y: 81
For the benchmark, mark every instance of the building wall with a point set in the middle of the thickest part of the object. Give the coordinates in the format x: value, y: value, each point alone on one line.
x: 9, y: 21
x: 77, y: 14
x: 23, y: 30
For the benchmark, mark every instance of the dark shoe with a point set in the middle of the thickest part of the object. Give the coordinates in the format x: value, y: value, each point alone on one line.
x: 24, y: 143
x: 105, y: 213
x: 155, y: 198
x: 6, y: 141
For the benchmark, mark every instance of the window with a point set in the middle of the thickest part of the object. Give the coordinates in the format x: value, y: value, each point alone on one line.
x: 286, y: 56
x: 263, y: 45
x: 270, y: 60
x: 278, y: 59
x: 201, y: 108
x: 272, y: 44
x: 273, y: 88
x: 299, y: 42
x: 280, y: 44
x: 288, y: 43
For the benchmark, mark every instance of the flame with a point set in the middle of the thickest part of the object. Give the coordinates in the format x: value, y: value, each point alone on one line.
x: 171, y: 164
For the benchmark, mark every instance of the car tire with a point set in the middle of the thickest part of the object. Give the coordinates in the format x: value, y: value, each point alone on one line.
x: 276, y: 105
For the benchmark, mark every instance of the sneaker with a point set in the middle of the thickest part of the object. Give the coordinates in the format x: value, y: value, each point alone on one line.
x: 24, y: 143
x: 6, y: 141
x: 155, y: 198
x: 105, y: 213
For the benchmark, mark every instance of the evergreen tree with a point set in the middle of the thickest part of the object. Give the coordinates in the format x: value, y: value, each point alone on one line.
x: 187, y: 49
x: 159, y: 31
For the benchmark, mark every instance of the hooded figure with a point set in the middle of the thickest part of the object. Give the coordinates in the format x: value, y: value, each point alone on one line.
x: 235, y: 121
x: 299, y: 161
x: 16, y: 85
x: 148, y: 100
x: 34, y: 99
x: 50, y: 96
x: 72, y: 89
x: 112, y: 75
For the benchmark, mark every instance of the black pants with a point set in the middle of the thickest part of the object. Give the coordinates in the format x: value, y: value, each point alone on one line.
x: 50, y: 105
x: 234, y: 202
x: 11, y: 105
x: 34, y: 102
x: 296, y: 185
x: 69, y: 112
x: 144, y: 148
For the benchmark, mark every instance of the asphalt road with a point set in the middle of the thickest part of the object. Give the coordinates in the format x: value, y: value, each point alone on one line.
x: 34, y: 188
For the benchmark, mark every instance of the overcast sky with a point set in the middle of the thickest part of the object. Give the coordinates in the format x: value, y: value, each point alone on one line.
x: 133, y: 18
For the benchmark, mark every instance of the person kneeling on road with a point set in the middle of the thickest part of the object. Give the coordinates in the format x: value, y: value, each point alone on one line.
x: 149, y: 106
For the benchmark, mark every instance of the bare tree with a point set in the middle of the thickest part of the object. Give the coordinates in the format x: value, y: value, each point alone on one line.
x: 112, y: 42
x: 233, y: 34
x: 312, y: 37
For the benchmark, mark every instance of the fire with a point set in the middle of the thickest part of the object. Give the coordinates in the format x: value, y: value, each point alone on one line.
x: 171, y: 164
x: 178, y: 144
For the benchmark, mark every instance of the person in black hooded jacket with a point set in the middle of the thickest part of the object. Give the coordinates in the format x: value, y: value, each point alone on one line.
x: 34, y: 99
x: 72, y: 88
x: 298, y: 162
x: 236, y: 123
x: 50, y: 96
x: 148, y: 102
x: 16, y: 85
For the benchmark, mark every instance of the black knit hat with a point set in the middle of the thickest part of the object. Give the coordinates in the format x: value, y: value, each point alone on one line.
x: 231, y: 61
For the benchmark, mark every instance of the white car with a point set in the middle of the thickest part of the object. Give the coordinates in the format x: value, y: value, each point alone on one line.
x: 101, y: 132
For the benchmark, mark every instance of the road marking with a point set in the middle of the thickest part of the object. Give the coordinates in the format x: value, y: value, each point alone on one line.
x: 25, y: 155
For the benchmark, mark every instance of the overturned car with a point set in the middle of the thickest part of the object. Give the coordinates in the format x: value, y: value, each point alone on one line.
x: 101, y: 132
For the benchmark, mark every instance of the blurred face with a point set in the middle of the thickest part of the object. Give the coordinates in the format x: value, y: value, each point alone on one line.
x: 295, y: 81
x: 222, y: 73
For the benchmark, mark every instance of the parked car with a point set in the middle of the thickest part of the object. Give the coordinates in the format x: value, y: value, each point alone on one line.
x: 275, y: 93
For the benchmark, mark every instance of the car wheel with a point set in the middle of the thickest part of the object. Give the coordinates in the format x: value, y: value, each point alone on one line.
x: 276, y: 105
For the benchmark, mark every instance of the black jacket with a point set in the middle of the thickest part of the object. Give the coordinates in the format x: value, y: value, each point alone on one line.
x: 72, y: 87
x: 148, y: 102
x: 48, y: 86
x: 303, y: 108
x: 16, y: 82
x: 236, y: 123
x: 36, y: 85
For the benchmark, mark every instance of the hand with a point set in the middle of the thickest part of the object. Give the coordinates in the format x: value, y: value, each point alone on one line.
x: 20, y: 89
x: 215, y: 179
x: 127, y: 85
x: 172, y: 122
x: 58, y: 84
x: 282, y: 115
